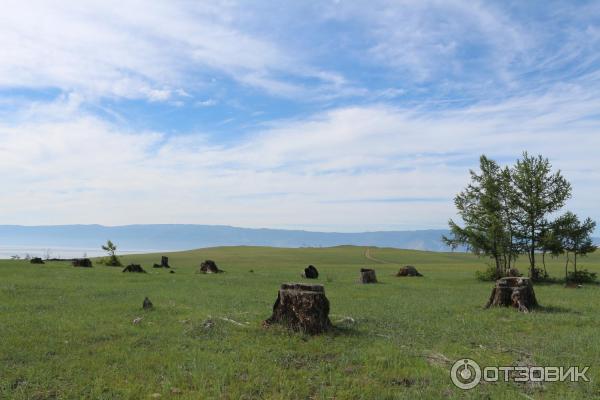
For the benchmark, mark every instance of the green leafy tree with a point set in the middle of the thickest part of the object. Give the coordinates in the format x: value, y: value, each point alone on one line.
x: 111, y: 249
x: 573, y: 237
x: 484, y: 207
x: 536, y: 193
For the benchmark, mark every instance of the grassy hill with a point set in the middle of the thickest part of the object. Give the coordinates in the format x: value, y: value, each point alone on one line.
x: 68, y: 332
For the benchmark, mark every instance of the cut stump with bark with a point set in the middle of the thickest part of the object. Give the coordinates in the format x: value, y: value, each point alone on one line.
x: 147, y: 304
x: 82, y: 262
x: 516, y: 292
x: 164, y: 263
x: 310, y: 272
x: 301, y: 307
x: 134, y: 268
x: 367, y: 275
x: 409, y: 270
x: 209, y: 267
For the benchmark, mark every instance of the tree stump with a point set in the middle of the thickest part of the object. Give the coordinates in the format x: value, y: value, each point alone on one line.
x: 409, y: 270
x: 82, y: 262
x: 302, y: 308
x: 311, y: 272
x: 514, y: 292
x: 209, y: 267
x: 164, y: 263
x: 134, y: 268
x: 367, y: 275
x: 147, y: 305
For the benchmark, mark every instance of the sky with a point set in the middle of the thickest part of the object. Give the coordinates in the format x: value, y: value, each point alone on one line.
x: 319, y: 115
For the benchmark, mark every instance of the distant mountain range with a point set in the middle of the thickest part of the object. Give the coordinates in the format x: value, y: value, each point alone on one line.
x: 186, y: 237
x: 75, y: 240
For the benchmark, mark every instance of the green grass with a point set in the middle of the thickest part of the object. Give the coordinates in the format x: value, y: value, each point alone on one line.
x: 67, y: 332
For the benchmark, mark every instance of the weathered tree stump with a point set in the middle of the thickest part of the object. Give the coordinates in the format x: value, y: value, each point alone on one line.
x: 408, y: 270
x: 147, y: 305
x: 134, y: 268
x: 164, y: 263
x: 82, y: 262
x: 209, y: 267
x: 36, y: 260
x: 367, y: 275
x: 514, y: 292
x: 311, y: 272
x: 302, y: 308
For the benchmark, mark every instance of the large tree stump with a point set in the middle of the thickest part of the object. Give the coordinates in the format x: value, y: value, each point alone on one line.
x: 164, y: 263
x: 310, y: 272
x: 302, y: 308
x: 82, y: 262
x: 514, y: 292
x: 209, y: 267
x: 409, y: 270
x: 367, y: 275
x: 134, y: 268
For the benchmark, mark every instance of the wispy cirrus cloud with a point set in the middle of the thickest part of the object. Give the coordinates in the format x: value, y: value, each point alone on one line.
x: 137, y: 49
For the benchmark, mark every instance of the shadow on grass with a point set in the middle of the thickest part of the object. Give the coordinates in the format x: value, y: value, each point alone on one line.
x: 555, y: 310
x: 345, y: 330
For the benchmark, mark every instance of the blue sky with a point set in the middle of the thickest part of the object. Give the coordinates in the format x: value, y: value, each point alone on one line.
x: 329, y: 115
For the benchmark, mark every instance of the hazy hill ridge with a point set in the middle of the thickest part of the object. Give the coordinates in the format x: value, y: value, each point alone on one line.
x: 183, y: 237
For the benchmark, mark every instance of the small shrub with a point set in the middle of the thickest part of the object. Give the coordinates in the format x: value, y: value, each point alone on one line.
x: 539, y: 275
x: 582, y: 276
x: 109, y: 261
x: 488, y: 275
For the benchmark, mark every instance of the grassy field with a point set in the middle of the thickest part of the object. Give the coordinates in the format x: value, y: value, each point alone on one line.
x: 67, y: 333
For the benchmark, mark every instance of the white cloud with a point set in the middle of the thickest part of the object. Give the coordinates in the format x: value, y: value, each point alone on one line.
x: 317, y: 171
x: 138, y: 49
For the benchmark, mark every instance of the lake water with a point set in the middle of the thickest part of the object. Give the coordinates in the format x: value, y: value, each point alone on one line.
x: 7, y: 252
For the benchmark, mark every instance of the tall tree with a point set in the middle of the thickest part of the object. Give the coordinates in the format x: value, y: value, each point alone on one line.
x: 482, y: 207
x: 537, y: 192
x: 573, y: 237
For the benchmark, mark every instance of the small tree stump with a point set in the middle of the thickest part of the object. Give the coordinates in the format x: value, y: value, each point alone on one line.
x: 311, y: 272
x: 164, y: 263
x: 82, y: 262
x: 409, y: 270
x: 147, y: 305
x: 367, y: 275
x: 209, y: 267
x: 514, y: 292
x: 134, y: 268
x: 302, y: 308
x: 36, y: 260
x: 513, y: 272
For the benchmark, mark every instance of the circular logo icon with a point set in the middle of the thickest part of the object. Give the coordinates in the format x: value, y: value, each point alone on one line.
x: 465, y: 374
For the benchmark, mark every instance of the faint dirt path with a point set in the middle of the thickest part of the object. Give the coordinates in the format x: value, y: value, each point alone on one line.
x: 368, y: 256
